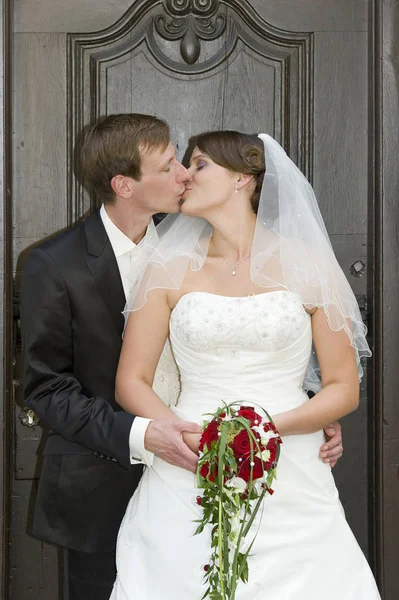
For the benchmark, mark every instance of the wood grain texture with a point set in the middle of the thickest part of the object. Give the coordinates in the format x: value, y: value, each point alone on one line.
x: 387, y: 290
x: 253, y: 108
x: 39, y: 141
x: 340, y: 129
x: 163, y: 93
x: 138, y: 85
x: 93, y: 15
x: 4, y: 492
x: 59, y: 16
x: 119, y: 84
x: 34, y: 573
x: 318, y: 15
x: 6, y: 290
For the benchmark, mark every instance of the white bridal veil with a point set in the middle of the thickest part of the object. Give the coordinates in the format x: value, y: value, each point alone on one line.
x: 290, y: 250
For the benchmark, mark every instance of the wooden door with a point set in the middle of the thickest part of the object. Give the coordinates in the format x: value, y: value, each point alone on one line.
x: 305, y: 72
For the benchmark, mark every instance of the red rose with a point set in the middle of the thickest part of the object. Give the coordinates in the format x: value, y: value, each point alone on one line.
x: 209, y: 435
x: 269, y: 426
x: 245, y: 469
x: 248, y: 413
x: 199, y: 500
x: 205, y: 471
x: 257, y: 469
x: 272, y: 443
x: 241, y: 444
x: 272, y: 447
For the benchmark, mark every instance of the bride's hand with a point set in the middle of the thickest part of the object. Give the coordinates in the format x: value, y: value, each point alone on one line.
x: 192, y: 440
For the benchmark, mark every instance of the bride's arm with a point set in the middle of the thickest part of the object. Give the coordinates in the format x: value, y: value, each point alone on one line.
x: 169, y: 437
x: 339, y: 395
x: 145, y: 336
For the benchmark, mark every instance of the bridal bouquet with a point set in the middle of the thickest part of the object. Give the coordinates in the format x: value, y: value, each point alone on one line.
x: 239, y: 450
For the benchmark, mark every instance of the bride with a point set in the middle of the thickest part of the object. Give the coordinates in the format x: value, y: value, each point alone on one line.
x: 257, y: 310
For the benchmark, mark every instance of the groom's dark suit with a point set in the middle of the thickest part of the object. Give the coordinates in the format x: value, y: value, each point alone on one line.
x: 72, y: 298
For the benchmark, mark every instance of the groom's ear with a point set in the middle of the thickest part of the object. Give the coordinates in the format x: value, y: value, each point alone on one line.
x: 122, y: 186
x: 243, y: 180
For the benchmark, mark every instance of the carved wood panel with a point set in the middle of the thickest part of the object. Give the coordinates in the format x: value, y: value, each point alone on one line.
x: 218, y: 61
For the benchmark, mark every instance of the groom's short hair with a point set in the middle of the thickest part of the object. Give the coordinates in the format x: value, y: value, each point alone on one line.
x: 114, y: 146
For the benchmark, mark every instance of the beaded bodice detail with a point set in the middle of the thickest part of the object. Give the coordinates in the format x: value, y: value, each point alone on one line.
x: 240, y: 346
x: 269, y: 321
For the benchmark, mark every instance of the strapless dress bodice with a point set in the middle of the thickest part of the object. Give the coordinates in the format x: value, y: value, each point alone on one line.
x: 241, y: 348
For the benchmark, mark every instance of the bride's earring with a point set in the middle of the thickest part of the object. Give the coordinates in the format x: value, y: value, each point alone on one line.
x: 236, y: 188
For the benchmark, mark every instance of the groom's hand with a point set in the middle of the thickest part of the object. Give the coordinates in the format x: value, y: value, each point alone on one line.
x: 164, y: 438
x: 332, y: 451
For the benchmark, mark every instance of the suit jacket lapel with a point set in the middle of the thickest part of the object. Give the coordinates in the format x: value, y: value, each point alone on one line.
x: 104, y: 268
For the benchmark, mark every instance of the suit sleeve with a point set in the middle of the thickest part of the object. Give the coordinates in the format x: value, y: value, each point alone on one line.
x: 50, y: 388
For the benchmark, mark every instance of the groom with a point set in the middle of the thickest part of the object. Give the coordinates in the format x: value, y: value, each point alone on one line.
x: 74, y: 289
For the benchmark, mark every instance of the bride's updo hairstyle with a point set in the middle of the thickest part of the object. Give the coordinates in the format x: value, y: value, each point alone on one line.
x: 237, y: 152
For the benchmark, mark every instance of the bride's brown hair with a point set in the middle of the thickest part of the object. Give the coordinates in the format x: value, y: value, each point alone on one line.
x: 238, y: 152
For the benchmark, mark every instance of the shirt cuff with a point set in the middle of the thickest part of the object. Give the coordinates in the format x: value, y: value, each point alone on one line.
x: 138, y: 453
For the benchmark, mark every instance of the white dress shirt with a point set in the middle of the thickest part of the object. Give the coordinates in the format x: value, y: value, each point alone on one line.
x: 124, y: 250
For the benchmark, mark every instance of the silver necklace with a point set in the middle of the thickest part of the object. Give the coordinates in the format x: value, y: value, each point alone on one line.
x: 233, y: 267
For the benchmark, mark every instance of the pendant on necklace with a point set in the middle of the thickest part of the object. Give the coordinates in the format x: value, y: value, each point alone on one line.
x: 233, y: 273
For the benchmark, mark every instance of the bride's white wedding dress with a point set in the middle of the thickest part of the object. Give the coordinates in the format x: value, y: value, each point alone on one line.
x: 252, y: 349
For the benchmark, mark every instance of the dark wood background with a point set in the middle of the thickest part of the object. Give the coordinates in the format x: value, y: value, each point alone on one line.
x: 322, y: 77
